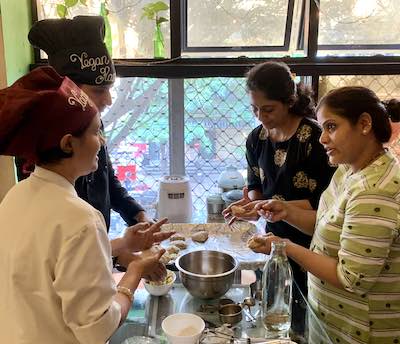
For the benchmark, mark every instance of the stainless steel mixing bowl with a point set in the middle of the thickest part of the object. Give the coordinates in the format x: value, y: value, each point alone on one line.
x: 207, y: 274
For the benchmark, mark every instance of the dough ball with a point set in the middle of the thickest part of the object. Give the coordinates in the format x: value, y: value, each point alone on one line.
x: 173, y: 249
x: 200, y: 236
x: 165, y: 258
x: 253, y: 244
x: 181, y: 244
x: 177, y: 237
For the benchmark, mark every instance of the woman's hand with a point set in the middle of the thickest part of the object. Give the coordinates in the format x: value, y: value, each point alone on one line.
x: 227, y: 212
x: 157, y: 274
x: 263, y: 243
x: 147, y: 262
x: 142, y: 236
x: 242, y: 209
x: 273, y: 210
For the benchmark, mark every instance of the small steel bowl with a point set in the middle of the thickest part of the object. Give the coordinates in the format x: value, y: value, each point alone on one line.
x: 230, y: 314
x: 207, y: 274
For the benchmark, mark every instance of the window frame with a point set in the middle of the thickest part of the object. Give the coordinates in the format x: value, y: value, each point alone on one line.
x: 323, y: 47
x: 327, y: 47
x: 266, y: 48
x: 313, y: 65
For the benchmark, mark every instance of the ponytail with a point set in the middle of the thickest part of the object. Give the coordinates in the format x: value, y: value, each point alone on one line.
x: 304, y: 104
x: 393, y: 109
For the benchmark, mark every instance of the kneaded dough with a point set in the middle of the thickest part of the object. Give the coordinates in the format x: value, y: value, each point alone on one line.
x: 177, y: 237
x: 173, y: 249
x: 181, y: 244
x: 253, y: 244
x: 201, y: 236
x: 165, y: 258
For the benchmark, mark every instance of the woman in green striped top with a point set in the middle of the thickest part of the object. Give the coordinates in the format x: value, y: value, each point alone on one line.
x: 354, y: 258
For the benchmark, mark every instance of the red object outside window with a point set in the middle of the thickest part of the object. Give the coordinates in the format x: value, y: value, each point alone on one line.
x: 126, y: 173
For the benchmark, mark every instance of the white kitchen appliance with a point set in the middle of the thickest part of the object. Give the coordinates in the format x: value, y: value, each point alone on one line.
x: 175, y: 199
x: 231, y: 179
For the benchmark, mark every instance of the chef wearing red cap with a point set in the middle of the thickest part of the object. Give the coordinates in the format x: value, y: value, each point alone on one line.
x: 47, y: 294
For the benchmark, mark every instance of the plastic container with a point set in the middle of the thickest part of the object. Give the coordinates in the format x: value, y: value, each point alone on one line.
x: 230, y: 179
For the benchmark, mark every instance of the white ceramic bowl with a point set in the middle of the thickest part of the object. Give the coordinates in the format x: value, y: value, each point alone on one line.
x: 160, y: 289
x: 183, y: 328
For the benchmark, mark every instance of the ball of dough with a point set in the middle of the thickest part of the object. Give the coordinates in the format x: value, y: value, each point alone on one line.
x: 177, y: 237
x: 173, y: 249
x: 201, y: 236
x: 181, y: 244
x: 253, y: 244
x: 165, y: 258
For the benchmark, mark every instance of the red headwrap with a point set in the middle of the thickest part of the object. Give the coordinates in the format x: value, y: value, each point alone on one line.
x: 38, y: 110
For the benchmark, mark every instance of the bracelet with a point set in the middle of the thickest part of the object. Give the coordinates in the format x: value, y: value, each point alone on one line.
x: 126, y: 291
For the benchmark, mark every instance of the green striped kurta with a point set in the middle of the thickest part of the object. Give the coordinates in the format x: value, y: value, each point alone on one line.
x: 358, y: 224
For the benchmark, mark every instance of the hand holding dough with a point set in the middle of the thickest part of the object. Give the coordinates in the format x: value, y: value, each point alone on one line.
x: 239, y: 211
x: 255, y: 243
x: 165, y: 258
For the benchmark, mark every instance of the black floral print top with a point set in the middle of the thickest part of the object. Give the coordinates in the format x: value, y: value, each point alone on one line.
x: 295, y: 169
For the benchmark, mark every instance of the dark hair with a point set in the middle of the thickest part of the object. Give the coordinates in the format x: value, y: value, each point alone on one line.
x: 352, y: 101
x: 274, y: 80
x: 52, y: 155
x: 55, y: 154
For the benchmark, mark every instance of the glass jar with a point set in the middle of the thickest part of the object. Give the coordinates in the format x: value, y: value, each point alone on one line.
x: 277, y: 290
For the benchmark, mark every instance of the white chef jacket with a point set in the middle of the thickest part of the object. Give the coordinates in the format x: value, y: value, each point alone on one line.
x: 55, y: 265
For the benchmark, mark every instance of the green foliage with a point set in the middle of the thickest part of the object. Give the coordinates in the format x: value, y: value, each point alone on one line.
x: 62, y: 11
x: 150, y: 11
x: 161, y: 20
x: 70, y: 3
x: 63, y: 8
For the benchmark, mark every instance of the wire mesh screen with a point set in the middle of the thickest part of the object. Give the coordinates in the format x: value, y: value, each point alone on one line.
x: 385, y: 86
x: 136, y: 127
x: 217, y: 122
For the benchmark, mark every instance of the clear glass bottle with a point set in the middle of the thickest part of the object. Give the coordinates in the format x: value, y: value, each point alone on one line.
x: 277, y: 290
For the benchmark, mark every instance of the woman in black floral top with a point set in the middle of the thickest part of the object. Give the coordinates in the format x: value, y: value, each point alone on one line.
x: 285, y: 159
